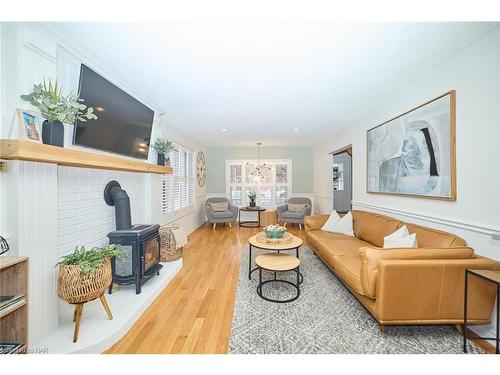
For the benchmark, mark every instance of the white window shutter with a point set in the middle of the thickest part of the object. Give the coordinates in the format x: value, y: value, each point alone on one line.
x: 178, y: 189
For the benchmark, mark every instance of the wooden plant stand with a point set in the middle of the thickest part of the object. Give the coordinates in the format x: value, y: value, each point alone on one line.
x: 77, y: 315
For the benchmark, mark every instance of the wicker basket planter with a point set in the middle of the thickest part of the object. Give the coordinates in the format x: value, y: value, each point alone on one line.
x: 75, y: 288
x: 168, y: 248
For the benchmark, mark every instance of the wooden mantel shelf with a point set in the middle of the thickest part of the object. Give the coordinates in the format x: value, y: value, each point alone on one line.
x: 32, y: 151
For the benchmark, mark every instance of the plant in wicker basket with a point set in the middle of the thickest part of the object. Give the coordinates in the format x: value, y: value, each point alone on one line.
x: 84, y: 275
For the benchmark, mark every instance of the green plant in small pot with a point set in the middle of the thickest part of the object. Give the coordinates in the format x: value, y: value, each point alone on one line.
x: 163, y: 146
x: 252, y: 195
x: 57, y: 109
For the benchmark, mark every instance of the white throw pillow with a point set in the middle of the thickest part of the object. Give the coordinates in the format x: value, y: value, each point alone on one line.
x: 401, y: 238
x: 334, y: 217
x: 341, y: 226
x: 400, y: 233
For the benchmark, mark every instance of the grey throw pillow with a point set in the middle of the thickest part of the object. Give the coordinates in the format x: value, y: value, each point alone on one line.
x: 218, y: 207
x: 293, y: 207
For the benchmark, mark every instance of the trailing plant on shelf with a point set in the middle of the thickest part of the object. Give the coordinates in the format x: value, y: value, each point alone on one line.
x: 252, y: 195
x: 57, y: 109
x: 90, y: 260
x: 163, y: 146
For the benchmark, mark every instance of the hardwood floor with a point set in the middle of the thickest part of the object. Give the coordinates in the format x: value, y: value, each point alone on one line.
x: 194, y: 312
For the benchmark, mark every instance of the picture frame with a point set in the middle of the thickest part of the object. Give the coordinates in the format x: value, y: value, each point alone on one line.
x: 29, y: 125
x: 414, y: 153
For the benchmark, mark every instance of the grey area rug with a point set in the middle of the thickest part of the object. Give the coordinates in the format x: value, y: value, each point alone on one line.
x: 326, y: 318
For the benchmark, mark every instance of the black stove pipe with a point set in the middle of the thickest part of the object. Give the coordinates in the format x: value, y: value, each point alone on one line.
x: 114, y: 195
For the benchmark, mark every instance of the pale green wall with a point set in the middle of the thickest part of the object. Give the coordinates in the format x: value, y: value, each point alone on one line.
x: 302, y: 165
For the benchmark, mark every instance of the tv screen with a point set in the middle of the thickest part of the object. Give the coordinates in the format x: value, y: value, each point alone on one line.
x: 123, y: 124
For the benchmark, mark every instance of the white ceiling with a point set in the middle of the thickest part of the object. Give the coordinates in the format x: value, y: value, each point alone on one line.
x: 261, y: 81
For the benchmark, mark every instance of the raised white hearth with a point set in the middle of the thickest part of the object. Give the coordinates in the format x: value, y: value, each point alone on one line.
x: 97, y: 332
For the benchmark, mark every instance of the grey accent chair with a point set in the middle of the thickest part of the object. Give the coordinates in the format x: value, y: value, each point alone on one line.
x: 294, y: 217
x: 215, y: 217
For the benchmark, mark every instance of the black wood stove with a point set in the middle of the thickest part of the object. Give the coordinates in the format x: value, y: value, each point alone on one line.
x: 140, y: 244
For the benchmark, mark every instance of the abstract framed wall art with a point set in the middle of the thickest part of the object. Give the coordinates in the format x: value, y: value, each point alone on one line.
x: 413, y: 154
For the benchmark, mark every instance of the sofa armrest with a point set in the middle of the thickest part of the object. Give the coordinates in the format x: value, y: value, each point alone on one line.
x: 315, y: 222
x: 307, y: 211
x: 371, y: 256
x: 433, y: 289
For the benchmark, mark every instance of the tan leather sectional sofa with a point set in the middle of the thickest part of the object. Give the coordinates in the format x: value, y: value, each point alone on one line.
x: 405, y: 286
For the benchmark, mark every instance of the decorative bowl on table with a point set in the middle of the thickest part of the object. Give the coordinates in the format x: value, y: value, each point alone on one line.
x: 274, y: 231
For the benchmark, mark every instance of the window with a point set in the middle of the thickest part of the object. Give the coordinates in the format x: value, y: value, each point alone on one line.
x: 272, y: 188
x: 177, y: 190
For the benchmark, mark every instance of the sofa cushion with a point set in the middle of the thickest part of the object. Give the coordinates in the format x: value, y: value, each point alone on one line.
x: 222, y: 214
x: 331, y: 248
x: 372, y: 227
x: 292, y: 215
x: 319, y: 239
x: 428, y: 237
x: 348, y: 268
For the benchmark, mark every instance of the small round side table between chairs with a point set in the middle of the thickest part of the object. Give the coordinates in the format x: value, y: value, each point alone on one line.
x: 278, y: 262
x: 250, y: 223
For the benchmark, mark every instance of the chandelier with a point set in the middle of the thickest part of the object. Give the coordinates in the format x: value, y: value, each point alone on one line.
x: 259, y: 168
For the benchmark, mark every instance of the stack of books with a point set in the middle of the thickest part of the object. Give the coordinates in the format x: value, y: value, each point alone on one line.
x: 11, y: 348
x: 11, y: 302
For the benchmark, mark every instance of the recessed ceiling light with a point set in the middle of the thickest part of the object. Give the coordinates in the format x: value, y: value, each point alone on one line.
x: 142, y: 144
x: 224, y: 130
x: 296, y: 129
x: 100, y: 109
x: 141, y: 149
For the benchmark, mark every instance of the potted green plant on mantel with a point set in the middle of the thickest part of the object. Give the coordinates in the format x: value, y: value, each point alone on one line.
x: 163, y: 146
x: 57, y: 110
x: 84, y: 276
x: 252, y: 195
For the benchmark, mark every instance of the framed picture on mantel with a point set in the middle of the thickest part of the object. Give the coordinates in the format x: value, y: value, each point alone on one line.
x: 29, y: 125
x: 413, y: 154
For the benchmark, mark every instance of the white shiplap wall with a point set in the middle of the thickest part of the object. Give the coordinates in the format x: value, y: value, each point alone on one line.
x: 36, y: 201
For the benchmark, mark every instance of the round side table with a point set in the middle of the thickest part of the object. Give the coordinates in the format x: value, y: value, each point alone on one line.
x: 278, y: 263
x: 250, y: 223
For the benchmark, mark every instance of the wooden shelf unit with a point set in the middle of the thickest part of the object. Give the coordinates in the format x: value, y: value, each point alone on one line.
x: 11, y: 149
x: 14, y: 281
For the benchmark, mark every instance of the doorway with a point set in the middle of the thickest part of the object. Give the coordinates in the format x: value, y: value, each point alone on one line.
x: 342, y: 179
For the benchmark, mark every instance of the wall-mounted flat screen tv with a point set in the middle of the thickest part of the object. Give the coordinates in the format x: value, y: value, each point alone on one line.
x: 123, y: 124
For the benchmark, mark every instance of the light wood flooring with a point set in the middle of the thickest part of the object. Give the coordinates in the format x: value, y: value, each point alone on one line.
x: 194, y: 312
